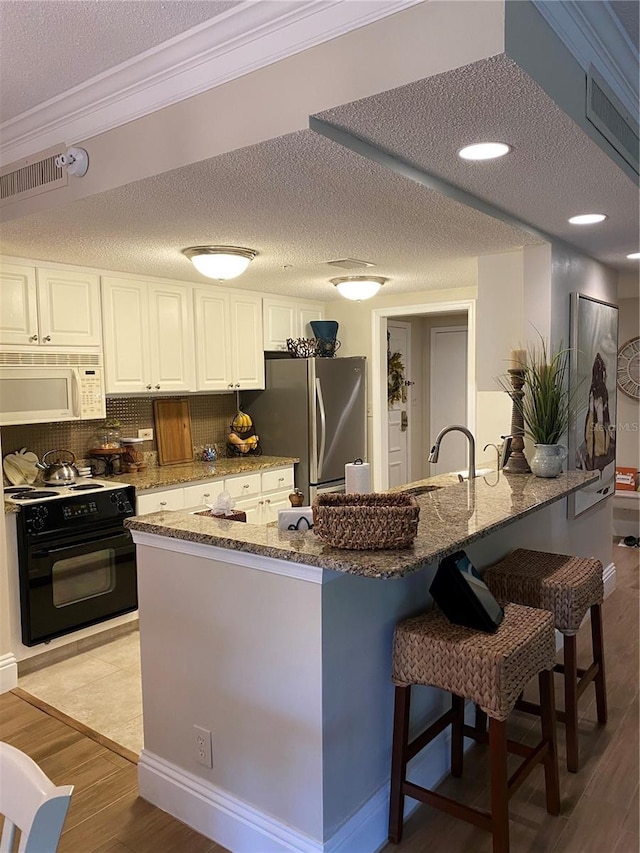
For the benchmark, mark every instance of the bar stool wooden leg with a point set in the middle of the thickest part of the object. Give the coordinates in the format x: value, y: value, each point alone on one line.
x: 598, y: 658
x: 548, y: 723
x: 399, y: 762
x: 499, y: 785
x: 571, y: 701
x: 457, y: 737
x: 481, y: 719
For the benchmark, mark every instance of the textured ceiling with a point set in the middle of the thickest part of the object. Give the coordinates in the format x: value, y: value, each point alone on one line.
x: 70, y: 41
x: 300, y: 200
x: 553, y: 172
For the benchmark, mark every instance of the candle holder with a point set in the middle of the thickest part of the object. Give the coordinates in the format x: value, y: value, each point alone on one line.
x: 517, y: 462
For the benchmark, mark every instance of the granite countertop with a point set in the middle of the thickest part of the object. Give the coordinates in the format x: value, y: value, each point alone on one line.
x: 451, y: 517
x: 190, y: 472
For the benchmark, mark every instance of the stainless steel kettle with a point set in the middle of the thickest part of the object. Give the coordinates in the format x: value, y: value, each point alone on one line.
x: 58, y: 473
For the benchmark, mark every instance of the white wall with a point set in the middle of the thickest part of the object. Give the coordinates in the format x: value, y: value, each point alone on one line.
x: 628, y: 416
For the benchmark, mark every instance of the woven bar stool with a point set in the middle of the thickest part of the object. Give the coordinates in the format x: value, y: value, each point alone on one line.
x: 568, y: 587
x: 491, y: 670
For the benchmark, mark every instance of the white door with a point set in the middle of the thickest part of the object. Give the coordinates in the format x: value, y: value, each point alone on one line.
x: 247, y: 354
x: 399, y: 342
x: 69, y: 308
x: 18, y: 308
x: 125, y: 314
x: 213, y: 351
x: 448, y: 396
x: 171, y: 338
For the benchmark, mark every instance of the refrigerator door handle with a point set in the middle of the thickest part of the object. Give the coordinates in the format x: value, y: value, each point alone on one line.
x: 323, y: 427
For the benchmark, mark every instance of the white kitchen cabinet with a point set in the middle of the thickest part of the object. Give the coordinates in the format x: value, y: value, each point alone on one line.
x: 49, y: 307
x: 260, y: 495
x: 147, y: 336
x: 288, y: 318
x: 160, y: 500
x: 228, y: 331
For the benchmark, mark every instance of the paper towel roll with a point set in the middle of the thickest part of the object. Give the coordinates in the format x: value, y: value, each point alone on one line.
x: 357, y: 476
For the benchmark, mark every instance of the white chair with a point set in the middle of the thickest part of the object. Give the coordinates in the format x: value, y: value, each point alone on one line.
x: 31, y: 803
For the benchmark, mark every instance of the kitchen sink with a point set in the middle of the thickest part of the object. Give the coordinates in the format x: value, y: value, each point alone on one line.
x: 420, y: 490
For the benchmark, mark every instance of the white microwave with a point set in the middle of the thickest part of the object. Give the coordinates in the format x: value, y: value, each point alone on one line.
x: 45, y: 387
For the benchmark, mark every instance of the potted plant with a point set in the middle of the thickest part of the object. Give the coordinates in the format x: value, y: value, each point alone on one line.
x: 545, y: 405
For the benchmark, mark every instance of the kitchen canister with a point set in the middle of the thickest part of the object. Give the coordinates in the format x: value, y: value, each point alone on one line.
x: 357, y: 477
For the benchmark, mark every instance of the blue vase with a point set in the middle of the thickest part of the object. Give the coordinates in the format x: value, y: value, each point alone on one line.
x: 325, y: 330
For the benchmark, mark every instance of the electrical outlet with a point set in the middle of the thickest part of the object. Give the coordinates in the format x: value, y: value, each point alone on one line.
x: 202, y: 745
x: 147, y: 434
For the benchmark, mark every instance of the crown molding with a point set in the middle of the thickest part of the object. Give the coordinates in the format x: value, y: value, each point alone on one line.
x: 594, y: 36
x: 243, y: 39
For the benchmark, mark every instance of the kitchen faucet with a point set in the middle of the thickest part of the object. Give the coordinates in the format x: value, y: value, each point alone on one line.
x: 435, y: 450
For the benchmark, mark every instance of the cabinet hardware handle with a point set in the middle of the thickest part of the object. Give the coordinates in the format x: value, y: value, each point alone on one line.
x: 46, y: 339
x: 148, y: 387
x: 268, y: 500
x: 163, y: 503
x: 157, y: 387
x: 237, y: 385
x: 33, y: 338
x: 281, y: 479
x: 246, y: 486
x: 260, y: 503
x: 206, y: 495
x: 230, y: 385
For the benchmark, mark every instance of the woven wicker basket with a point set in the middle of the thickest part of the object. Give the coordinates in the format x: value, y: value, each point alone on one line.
x: 366, y: 522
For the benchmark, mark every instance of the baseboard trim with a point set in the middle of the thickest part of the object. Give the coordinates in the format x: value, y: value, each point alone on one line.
x: 241, y: 828
x: 609, y: 579
x: 8, y: 672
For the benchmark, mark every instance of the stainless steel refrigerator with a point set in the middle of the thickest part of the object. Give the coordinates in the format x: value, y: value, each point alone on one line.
x: 316, y: 409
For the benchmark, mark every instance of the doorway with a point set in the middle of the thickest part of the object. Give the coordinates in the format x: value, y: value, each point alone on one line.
x: 399, y: 402
x: 435, y: 313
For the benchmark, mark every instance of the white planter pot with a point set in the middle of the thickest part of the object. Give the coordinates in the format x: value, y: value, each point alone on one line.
x: 547, y: 459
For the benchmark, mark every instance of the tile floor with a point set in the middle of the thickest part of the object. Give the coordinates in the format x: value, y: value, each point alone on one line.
x: 100, y: 687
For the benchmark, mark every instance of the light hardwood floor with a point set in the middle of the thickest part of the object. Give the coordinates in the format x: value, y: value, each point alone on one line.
x: 599, y: 804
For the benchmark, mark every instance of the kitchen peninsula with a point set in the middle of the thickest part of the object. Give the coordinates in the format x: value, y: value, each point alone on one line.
x: 280, y: 646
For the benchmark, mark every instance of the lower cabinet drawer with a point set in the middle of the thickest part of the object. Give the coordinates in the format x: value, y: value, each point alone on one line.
x: 278, y: 480
x: 203, y: 493
x: 157, y: 501
x: 244, y: 486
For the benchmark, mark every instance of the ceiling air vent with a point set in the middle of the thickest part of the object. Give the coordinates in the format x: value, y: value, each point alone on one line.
x: 32, y: 176
x: 615, y: 123
x: 350, y: 264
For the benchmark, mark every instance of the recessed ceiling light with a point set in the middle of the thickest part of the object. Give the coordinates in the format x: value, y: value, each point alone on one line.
x: 484, y: 151
x: 634, y: 256
x: 587, y: 219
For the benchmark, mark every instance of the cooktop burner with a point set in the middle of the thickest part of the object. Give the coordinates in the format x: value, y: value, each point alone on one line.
x: 32, y: 495
x: 84, y: 486
x: 16, y: 490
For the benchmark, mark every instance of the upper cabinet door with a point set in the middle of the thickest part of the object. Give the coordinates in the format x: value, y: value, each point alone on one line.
x: 213, y: 349
x: 127, y: 358
x: 247, y: 354
x: 18, y: 309
x: 307, y: 313
x: 69, y: 307
x: 171, y: 337
x: 279, y: 323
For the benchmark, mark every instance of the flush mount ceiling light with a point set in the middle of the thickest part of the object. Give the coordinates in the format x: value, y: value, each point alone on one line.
x: 634, y: 256
x: 358, y: 287
x: 587, y: 219
x: 221, y: 262
x: 484, y: 151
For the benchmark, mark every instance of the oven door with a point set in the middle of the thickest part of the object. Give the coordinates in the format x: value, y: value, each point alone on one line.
x: 75, y: 582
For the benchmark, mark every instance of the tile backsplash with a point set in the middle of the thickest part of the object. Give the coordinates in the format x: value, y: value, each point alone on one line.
x: 211, y: 415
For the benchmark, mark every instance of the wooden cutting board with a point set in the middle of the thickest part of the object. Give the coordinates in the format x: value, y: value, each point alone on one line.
x: 173, y: 431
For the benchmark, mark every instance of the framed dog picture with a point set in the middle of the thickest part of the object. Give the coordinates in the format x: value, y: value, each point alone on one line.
x: 593, y: 364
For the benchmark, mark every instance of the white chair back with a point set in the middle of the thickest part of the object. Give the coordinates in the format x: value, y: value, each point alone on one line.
x: 31, y: 803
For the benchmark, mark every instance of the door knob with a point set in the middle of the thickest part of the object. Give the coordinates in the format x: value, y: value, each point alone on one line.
x: 404, y: 421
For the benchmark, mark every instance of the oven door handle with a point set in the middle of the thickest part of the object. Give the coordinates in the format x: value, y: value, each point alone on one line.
x: 101, y: 539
